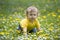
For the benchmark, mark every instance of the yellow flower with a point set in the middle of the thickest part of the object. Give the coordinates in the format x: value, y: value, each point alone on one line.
x: 55, y: 36
x: 41, y: 31
x: 53, y: 14
x: 12, y: 37
x: 18, y: 31
x: 58, y: 10
x: 2, y: 33
x: 48, y: 14
x: 51, y: 28
x: 15, y: 13
x: 18, y: 19
x: 46, y: 36
x: 14, y: 20
x: 11, y: 30
x: 51, y: 23
x: 59, y: 16
x: 38, y: 17
x: 4, y: 18
x: 41, y: 35
x: 58, y: 29
x: 7, y: 33
x: 10, y: 17
x: 44, y: 17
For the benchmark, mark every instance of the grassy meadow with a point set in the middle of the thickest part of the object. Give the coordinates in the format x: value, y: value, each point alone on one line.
x: 13, y: 11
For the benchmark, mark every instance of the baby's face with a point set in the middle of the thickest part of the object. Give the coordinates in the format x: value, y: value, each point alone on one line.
x: 32, y: 15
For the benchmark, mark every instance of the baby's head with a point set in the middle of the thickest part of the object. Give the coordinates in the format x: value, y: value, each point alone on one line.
x: 32, y: 13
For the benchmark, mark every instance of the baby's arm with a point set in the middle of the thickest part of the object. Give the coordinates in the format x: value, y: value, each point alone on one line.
x: 38, y: 26
x: 23, y: 24
x: 25, y: 31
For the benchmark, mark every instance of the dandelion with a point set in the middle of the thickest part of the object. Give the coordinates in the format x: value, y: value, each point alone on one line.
x: 53, y: 14
x: 58, y: 29
x: 3, y: 22
x: 1, y: 33
x: 46, y: 35
x: 51, y: 23
x: 10, y: 17
x: 44, y: 17
x: 41, y: 31
x: 15, y: 13
x: 41, y: 35
x: 17, y: 19
x: 11, y: 30
x: 48, y: 14
x: 59, y: 10
x: 51, y: 28
x: 12, y: 37
x: 56, y: 36
x: 18, y: 31
x: 7, y: 33
x: 4, y: 18
x: 14, y: 20
x: 38, y: 17
x: 59, y: 16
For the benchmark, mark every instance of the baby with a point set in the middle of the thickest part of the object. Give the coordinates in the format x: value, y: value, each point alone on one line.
x: 30, y: 23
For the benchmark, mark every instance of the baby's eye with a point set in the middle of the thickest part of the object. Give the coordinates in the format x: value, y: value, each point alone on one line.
x: 30, y: 14
x: 34, y: 14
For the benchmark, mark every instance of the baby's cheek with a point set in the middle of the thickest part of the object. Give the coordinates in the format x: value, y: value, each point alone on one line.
x: 35, y: 16
x: 30, y: 16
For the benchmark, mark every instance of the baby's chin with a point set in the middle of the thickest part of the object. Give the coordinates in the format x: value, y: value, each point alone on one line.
x: 32, y: 18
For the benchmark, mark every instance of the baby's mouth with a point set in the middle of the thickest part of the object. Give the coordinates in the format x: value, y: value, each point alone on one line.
x: 32, y: 18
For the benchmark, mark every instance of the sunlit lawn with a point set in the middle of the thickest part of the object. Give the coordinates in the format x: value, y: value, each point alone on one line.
x: 50, y: 27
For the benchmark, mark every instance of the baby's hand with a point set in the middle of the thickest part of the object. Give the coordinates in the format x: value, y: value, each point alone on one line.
x: 25, y: 35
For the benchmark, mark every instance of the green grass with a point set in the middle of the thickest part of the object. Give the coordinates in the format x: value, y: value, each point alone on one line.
x: 50, y: 27
x: 12, y: 12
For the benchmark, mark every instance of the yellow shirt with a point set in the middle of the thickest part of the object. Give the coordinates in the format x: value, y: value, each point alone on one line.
x: 26, y: 23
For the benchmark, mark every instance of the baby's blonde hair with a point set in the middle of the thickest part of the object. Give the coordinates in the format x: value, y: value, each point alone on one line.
x: 31, y: 9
